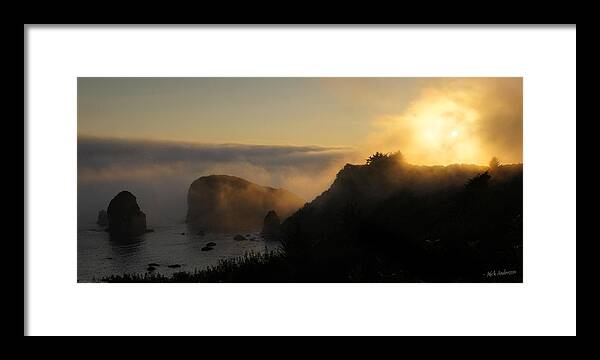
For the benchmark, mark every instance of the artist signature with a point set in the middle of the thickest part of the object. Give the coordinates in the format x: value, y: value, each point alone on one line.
x: 498, y: 273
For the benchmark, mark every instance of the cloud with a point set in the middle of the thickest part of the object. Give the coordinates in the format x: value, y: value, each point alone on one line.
x: 160, y: 172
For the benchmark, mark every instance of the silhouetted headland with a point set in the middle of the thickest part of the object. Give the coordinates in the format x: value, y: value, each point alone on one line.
x: 389, y: 220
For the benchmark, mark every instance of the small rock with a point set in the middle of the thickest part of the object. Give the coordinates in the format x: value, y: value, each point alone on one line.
x: 183, y: 233
x: 151, y: 268
x: 211, y: 244
x: 239, y: 238
x: 206, y: 248
x: 174, y: 266
x: 153, y: 264
x: 108, y: 258
x: 149, y: 230
x: 271, y: 226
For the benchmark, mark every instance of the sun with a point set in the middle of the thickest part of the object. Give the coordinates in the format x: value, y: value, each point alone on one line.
x: 434, y: 131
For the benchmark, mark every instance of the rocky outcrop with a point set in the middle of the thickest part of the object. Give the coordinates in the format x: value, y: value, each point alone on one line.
x: 231, y: 204
x: 125, y: 218
x: 399, y: 205
x: 271, y: 226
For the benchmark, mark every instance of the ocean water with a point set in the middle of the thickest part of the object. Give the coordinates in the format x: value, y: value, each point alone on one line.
x: 99, y: 255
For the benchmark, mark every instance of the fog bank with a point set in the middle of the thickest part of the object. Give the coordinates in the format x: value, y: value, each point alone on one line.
x: 159, y: 173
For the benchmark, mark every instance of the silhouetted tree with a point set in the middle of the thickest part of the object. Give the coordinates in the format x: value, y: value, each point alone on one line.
x: 494, y: 163
x: 378, y: 156
x: 385, y: 158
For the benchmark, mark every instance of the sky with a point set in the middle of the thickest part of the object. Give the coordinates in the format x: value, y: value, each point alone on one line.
x: 282, y: 111
x: 154, y: 135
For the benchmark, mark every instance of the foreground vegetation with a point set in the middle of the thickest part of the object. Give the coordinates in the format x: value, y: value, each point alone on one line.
x: 268, y: 267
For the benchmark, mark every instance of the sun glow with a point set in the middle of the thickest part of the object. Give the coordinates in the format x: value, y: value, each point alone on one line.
x: 438, y: 130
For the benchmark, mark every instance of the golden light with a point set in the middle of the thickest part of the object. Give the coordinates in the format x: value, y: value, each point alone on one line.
x: 438, y: 130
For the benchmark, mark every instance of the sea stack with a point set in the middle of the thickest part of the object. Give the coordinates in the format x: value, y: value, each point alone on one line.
x: 125, y: 217
x: 222, y: 203
x: 271, y: 226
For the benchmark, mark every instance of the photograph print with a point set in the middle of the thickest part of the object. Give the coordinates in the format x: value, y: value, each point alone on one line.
x: 300, y: 180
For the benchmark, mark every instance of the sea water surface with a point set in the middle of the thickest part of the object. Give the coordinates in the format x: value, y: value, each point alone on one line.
x: 99, y: 255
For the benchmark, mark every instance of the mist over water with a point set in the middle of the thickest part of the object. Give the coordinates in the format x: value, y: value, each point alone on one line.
x: 159, y: 173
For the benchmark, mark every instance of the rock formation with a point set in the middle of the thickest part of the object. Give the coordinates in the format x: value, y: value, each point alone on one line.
x: 228, y: 204
x: 125, y: 217
x: 437, y: 223
x: 271, y: 226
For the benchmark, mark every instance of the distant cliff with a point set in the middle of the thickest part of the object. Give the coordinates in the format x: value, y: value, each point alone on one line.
x: 229, y: 203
